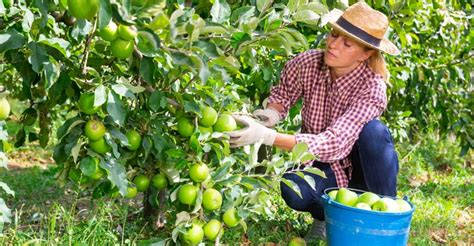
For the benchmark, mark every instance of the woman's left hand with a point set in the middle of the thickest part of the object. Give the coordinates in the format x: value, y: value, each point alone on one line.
x: 251, y: 133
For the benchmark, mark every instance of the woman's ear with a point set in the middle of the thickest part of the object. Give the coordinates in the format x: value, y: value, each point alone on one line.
x: 366, y: 55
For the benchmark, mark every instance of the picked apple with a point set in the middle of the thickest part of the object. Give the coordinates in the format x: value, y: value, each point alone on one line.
x: 403, y: 205
x: 368, y: 198
x: 364, y: 206
x: 332, y: 194
x: 386, y: 205
x: 346, y: 197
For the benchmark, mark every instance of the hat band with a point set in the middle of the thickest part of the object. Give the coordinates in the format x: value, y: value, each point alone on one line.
x: 356, y: 31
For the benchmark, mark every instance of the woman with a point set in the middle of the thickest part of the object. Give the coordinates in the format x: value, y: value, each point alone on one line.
x: 343, y: 92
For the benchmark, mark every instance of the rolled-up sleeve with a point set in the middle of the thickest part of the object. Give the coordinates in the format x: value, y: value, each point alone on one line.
x: 290, y: 88
x: 336, y: 141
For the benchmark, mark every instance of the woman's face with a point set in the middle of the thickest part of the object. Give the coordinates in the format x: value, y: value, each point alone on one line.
x: 343, y: 52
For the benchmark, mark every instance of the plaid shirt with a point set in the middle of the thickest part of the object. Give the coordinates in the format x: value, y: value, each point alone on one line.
x: 333, y: 113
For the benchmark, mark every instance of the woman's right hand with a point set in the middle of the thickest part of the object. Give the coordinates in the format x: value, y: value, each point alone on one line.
x: 268, y: 117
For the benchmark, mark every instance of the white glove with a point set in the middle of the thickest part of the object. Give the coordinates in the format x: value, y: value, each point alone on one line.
x: 269, y: 117
x: 251, y: 133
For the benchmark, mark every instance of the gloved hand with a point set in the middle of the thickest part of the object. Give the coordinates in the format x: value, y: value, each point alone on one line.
x: 269, y: 117
x: 251, y: 133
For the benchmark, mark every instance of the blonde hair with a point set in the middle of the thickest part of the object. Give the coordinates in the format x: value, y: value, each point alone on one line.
x: 377, y: 63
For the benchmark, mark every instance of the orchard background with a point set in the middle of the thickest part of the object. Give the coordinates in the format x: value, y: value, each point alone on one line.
x: 149, y: 88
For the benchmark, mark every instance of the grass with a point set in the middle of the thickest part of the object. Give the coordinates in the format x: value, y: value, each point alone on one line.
x: 436, y: 180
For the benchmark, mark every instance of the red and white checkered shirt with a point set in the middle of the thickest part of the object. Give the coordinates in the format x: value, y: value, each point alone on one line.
x: 333, y: 113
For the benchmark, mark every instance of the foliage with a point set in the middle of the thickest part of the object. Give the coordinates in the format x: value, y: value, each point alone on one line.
x: 190, y: 54
x: 431, y: 79
x: 5, y: 212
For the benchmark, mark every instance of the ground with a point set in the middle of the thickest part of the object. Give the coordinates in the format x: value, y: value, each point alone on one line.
x: 432, y: 175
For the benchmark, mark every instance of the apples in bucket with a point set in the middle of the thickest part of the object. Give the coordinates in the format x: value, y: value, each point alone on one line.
x: 369, y: 201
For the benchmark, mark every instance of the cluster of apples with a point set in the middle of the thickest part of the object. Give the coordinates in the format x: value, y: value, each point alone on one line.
x: 210, y: 121
x: 121, y: 38
x: 369, y: 201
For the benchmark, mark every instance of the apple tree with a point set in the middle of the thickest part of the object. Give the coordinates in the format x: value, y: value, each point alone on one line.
x: 144, y: 93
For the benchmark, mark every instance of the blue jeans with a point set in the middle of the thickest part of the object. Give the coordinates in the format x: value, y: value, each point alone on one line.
x: 375, y: 168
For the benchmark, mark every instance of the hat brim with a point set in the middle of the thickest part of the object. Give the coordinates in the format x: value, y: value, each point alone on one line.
x: 385, y: 45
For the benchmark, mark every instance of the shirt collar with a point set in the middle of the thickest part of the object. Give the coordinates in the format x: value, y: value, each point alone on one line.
x: 348, y: 80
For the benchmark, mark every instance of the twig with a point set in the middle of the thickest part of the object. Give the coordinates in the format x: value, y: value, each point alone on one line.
x: 86, y: 49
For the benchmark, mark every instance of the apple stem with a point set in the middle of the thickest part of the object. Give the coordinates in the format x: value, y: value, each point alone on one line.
x: 87, y: 47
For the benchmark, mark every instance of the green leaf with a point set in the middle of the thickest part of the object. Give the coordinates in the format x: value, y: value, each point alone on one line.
x: 76, y: 149
x: 116, y: 174
x: 3, y: 160
x: 316, y: 7
x: 148, y: 43
x: 298, y: 150
x: 147, y: 70
x: 81, y: 29
x: 122, y: 90
x: 51, y: 72
x: 5, y: 212
x: 192, y: 106
x: 292, y: 185
x: 28, y: 18
x: 228, y: 62
x: 116, y: 109
x: 202, y: 67
x: 11, y: 39
x: 100, y: 95
x: 197, y: 205
x: 57, y: 43
x: 38, y: 56
x: 220, y: 11
x: 306, y: 16
x: 316, y: 171
x: 157, y: 100
x: 210, y: 49
x: 7, y: 189
x: 68, y: 126
x: 292, y: 5
x: 262, y: 5
x: 105, y: 14
x: 243, y: 14
x: 88, y: 165
x: 172, y: 174
x: 118, y: 135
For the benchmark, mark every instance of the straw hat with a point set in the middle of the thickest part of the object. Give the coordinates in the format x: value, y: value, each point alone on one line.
x: 365, y: 25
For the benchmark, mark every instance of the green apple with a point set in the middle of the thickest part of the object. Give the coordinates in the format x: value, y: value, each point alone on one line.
x: 297, y: 241
x: 204, y: 130
x: 127, y: 32
x: 231, y: 218
x: 332, y: 194
x: 194, y: 235
x: 362, y: 205
x: 121, y: 48
x: 209, y: 117
x: 368, y: 198
x: 110, y: 32
x: 4, y: 108
x: 83, y: 9
x: 211, y: 199
x: 225, y: 123
x: 346, y: 197
x: 386, y: 205
x: 212, y: 229
x: 403, y: 205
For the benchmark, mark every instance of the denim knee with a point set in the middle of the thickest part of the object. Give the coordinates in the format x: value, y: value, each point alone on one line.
x: 291, y: 198
x: 374, y: 131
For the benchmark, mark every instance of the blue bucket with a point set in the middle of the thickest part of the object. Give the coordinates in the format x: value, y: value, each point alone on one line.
x: 353, y: 226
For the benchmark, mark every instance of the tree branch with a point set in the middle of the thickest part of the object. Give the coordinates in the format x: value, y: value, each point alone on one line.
x: 87, y: 49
